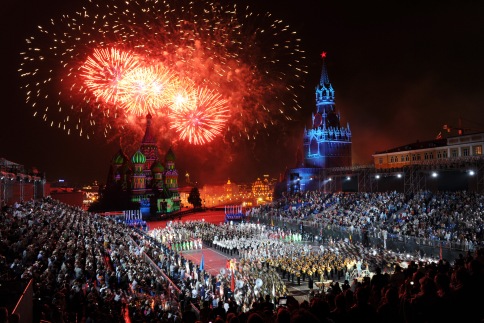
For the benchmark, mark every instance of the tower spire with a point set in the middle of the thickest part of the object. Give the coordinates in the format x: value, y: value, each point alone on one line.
x: 148, y: 137
x: 324, y: 73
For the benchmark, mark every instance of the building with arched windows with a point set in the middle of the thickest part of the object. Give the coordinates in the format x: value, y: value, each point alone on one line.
x: 17, y: 184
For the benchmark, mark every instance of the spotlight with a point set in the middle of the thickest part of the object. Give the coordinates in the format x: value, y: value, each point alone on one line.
x: 472, y: 173
x: 434, y: 174
x: 399, y: 175
x: 377, y: 176
x: 348, y: 178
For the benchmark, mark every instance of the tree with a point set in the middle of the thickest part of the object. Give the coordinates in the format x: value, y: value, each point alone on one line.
x: 114, y: 198
x: 194, y: 198
x: 154, y: 201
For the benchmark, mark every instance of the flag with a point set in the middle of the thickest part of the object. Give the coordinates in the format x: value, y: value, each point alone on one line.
x: 440, y: 253
x: 202, y: 263
x: 232, y: 281
x: 273, y: 290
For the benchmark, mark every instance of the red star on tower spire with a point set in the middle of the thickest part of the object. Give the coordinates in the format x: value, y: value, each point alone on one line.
x: 323, y: 54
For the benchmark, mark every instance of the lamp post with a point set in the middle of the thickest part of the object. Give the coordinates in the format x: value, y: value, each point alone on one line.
x: 21, y: 188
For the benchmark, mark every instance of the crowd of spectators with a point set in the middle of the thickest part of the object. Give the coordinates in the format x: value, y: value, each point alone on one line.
x: 449, y: 216
x: 456, y: 217
x: 86, y: 267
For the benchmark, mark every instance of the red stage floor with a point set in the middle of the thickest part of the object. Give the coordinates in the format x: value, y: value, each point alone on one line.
x: 214, y: 260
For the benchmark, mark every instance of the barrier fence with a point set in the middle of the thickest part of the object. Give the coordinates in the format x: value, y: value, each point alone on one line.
x: 372, y: 237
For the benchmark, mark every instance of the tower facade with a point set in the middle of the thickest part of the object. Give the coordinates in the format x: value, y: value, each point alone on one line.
x: 149, y: 149
x: 326, y: 143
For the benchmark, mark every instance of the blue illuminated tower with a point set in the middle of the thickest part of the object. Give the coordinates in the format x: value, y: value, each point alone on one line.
x: 326, y: 142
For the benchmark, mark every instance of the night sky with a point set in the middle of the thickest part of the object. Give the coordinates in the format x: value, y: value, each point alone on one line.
x: 400, y: 72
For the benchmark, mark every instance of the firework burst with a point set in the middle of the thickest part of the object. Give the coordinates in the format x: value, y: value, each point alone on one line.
x: 146, y: 90
x: 184, y: 96
x: 98, y: 66
x: 104, y: 70
x: 204, y: 121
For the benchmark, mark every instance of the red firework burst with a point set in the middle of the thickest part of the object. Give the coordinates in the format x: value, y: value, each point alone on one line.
x: 202, y: 122
x: 75, y: 68
x: 104, y: 69
x: 184, y: 96
x: 146, y: 90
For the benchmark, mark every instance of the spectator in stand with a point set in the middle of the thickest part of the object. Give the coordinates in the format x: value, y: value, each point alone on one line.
x: 3, y: 315
x: 362, y: 310
x: 389, y: 310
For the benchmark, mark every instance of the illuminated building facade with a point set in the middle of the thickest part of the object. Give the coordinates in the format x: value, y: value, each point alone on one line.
x: 446, y: 164
x: 326, y: 143
x: 215, y: 195
x: 18, y: 185
x: 262, y: 190
x: 91, y: 194
x: 146, y: 177
x: 231, y: 189
x: 433, y: 151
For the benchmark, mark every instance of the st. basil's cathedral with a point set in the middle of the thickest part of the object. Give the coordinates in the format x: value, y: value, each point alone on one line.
x: 145, y: 176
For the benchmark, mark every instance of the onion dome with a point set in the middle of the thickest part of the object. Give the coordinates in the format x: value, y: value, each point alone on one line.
x: 138, y: 158
x: 170, y: 156
x: 157, y: 167
x: 120, y: 158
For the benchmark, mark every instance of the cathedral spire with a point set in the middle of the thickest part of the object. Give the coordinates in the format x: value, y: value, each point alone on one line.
x: 324, y: 73
x: 148, y: 137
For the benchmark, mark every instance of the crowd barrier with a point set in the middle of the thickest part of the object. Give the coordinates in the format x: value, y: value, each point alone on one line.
x: 372, y: 237
x: 234, y: 217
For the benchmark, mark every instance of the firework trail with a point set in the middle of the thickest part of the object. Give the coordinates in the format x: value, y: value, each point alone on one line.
x: 98, y: 66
